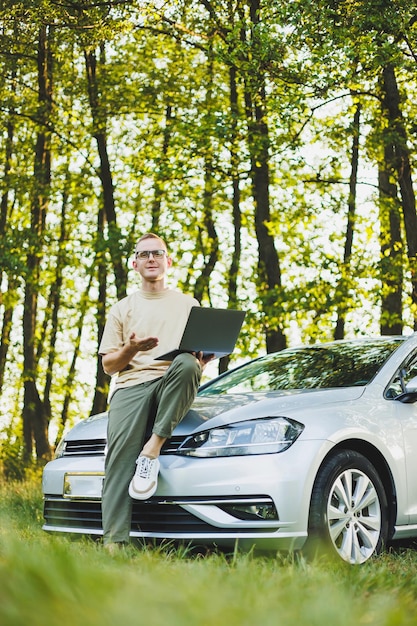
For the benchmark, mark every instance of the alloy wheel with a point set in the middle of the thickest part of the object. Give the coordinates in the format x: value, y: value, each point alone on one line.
x: 354, y: 516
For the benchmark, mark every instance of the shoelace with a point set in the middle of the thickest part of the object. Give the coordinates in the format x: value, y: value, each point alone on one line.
x: 144, y: 467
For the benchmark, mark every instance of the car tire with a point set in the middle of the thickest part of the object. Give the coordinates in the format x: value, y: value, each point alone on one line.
x: 349, y: 509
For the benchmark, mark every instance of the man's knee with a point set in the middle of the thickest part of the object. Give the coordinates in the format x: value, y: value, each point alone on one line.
x: 188, y: 365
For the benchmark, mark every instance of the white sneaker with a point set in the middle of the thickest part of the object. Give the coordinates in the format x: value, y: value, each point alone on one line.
x: 145, y: 480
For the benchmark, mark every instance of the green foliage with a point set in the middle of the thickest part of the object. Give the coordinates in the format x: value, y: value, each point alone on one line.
x: 193, y: 101
x: 14, y: 466
x: 12, y: 462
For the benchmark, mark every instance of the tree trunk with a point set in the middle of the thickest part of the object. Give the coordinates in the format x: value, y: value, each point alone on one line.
x: 106, y: 213
x: 401, y: 164
x: 236, y: 212
x: 9, y: 298
x: 209, y: 242
x: 392, y: 249
x: 343, y: 286
x: 69, y: 386
x: 102, y: 379
x: 161, y: 172
x: 100, y: 134
x: 35, y: 416
x: 269, y: 273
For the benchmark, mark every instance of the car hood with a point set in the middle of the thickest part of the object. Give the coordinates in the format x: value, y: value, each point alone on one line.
x: 215, y: 411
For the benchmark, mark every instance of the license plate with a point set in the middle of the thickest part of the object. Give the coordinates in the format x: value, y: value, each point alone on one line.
x: 83, y: 485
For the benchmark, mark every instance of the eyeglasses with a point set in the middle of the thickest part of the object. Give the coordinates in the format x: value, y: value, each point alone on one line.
x: 145, y: 254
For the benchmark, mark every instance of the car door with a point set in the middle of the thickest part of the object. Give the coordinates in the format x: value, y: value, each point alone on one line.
x: 407, y: 417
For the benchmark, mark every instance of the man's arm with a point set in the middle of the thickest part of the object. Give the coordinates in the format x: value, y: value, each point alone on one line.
x: 114, y: 362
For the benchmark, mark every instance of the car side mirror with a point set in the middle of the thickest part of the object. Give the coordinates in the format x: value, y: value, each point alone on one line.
x: 410, y: 394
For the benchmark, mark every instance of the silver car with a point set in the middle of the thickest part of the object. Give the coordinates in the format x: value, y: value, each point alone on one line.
x: 311, y: 445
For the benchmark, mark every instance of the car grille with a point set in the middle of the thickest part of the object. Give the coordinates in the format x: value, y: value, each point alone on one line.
x: 172, y: 445
x: 97, y: 447
x: 85, y: 447
x: 153, y: 516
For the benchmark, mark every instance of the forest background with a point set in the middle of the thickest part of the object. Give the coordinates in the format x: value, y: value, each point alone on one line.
x: 271, y: 143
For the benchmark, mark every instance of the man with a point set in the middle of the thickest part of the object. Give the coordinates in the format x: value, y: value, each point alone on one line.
x: 149, y: 394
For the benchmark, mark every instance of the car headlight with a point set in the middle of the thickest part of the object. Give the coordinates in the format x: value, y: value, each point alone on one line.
x: 60, y: 449
x: 262, y: 436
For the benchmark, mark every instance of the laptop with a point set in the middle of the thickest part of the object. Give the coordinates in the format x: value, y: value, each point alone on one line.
x: 209, y: 330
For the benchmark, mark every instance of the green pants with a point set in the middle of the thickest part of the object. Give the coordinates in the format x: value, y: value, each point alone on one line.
x: 156, y: 406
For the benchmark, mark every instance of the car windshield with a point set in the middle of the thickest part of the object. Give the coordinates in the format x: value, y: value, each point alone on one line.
x: 342, y: 364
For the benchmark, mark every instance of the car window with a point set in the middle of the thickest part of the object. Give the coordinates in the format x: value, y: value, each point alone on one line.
x: 323, y: 366
x: 402, y: 377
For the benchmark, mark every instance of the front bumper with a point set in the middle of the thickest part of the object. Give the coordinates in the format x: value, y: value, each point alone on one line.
x: 260, y: 501
x: 174, y: 520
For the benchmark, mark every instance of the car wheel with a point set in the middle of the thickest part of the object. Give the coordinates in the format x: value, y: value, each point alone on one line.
x: 349, y: 509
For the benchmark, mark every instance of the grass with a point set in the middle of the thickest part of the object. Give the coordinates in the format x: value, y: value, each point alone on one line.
x: 50, y: 580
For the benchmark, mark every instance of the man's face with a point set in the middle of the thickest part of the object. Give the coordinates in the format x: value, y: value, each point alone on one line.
x: 153, y: 265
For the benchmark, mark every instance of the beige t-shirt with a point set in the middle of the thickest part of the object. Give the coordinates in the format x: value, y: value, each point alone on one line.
x: 163, y: 314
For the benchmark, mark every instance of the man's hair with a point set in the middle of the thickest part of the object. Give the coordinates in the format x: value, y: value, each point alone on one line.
x: 150, y: 236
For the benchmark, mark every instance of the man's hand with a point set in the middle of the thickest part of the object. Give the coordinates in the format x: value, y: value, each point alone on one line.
x: 143, y: 344
x: 203, y: 360
x: 114, y: 362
